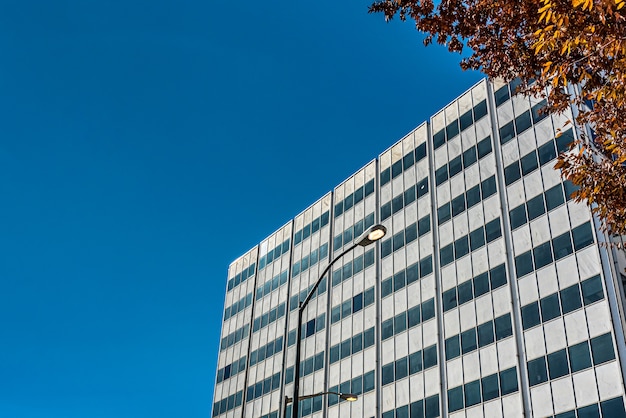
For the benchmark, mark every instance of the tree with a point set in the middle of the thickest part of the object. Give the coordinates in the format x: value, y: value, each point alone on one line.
x: 555, y: 47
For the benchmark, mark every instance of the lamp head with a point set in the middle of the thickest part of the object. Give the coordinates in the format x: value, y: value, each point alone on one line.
x: 348, y: 397
x: 373, y: 234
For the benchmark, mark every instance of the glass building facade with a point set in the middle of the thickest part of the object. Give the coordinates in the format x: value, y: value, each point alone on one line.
x: 492, y: 294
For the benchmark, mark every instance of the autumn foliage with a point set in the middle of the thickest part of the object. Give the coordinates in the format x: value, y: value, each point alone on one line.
x: 556, y: 48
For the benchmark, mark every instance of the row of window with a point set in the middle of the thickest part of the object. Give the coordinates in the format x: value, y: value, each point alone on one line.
x: 266, y: 351
x: 240, y: 277
x: 538, y: 205
x: 232, y: 369
x: 411, y: 364
x: 273, y: 254
x: 269, y: 317
x: 263, y: 387
x: 270, y: 415
x: 307, y: 367
x: 294, y: 301
x: 227, y: 404
x: 424, y: 408
x: 309, y: 260
x: 350, y: 268
x: 463, y: 161
x: 611, y: 408
x: 407, y: 319
x: 548, y: 308
x: 309, y: 229
x: 571, y: 359
x: 352, y: 305
x: 234, y: 337
x: 466, y: 200
x: 308, y: 329
x: 557, y: 248
x: 405, y: 163
x: 503, y: 94
x: 354, y: 198
x: 458, y: 125
x: 271, y: 285
x: 307, y: 406
x: 477, y: 286
x: 404, y: 199
x: 479, y: 337
x: 522, y: 122
x: 353, y: 232
x: 406, y: 236
x: 537, y: 158
x: 483, y: 390
x: 353, y: 345
x: 406, y: 277
x: 473, y: 241
x: 238, y: 306
x: 357, y: 386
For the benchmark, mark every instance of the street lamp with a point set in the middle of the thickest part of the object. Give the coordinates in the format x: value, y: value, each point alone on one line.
x: 350, y: 397
x: 370, y: 236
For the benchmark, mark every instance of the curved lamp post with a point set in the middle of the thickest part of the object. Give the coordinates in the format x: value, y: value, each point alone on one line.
x: 372, y: 235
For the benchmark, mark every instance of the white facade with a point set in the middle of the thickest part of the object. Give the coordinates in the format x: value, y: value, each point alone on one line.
x: 488, y: 297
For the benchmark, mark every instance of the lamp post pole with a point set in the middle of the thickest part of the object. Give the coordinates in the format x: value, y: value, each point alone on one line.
x: 372, y: 235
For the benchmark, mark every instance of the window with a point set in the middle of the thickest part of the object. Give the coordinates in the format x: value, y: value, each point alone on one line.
x: 507, y: 132
x: 508, y: 381
x: 512, y: 173
x: 490, y: 387
x: 468, y: 341
x: 550, y: 307
x: 523, y: 122
x: 503, y: 327
x: 518, y: 216
x: 592, y: 290
x: 455, y: 166
x: 530, y: 315
x: 485, y: 334
x: 557, y: 364
x: 582, y: 236
x: 554, y: 197
x: 579, y: 356
x: 439, y: 139
x: 484, y: 147
x: 570, y: 299
x: 453, y: 347
x: 537, y: 371
x: 455, y: 399
x: 388, y: 373
x: 472, y: 393
x: 502, y: 95
x: 602, y: 349
x: 469, y: 157
x: 529, y: 163
x: 441, y: 174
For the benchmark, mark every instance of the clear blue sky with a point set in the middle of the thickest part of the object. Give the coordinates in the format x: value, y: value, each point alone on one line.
x: 145, y: 145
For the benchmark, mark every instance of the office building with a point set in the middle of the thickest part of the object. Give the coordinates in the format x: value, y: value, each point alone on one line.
x: 491, y: 295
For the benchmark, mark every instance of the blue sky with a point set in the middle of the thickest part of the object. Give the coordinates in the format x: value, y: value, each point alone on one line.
x: 144, y: 146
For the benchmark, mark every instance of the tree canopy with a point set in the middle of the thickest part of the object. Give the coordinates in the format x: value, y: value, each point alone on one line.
x: 556, y: 48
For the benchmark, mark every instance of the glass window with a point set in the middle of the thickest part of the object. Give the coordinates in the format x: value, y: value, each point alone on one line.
x: 502, y: 95
x: 357, y: 385
x: 550, y: 307
x: 518, y: 216
x: 497, y: 276
x: 490, y: 387
x: 512, y: 173
x: 452, y: 129
x: 402, y: 368
x: 508, y: 381
x: 529, y: 163
x: 369, y: 189
x: 447, y: 254
x: 428, y: 309
x: 423, y: 225
x: 386, y: 287
x: 591, y: 411
x: 385, y: 176
x: 443, y: 213
x: 472, y: 393
x: 414, y: 316
x: 481, y: 284
x: 426, y: 266
x: 488, y: 187
x: 461, y: 247
x: 542, y: 254
x: 420, y: 152
x: 602, y: 349
x: 523, y: 264
x: 537, y: 112
x: 570, y: 299
x: 357, y: 302
x: 562, y: 246
x: 387, y: 372
x: 357, y: 343
x: 455, y: 166
x: 409, y: 195
x: 554, y: 197
x: 441, y: 174
x: 568, y: 414
x: 402, y: 412
x: 368, y: 296
x: 485, y: 334
x: 358, y: 196
x: 415, y: 362
x: 465, y: 292
x: 431, y: 406
x: 399, y: 323
x: 492, y: 230
x: 582, y: 236
x: 613, y: 408
x: 480, y: 110
x: 537, y: 371
x: 530, y: 315
x: 473, y: 196
x: 468, y: 340
x: 458, y: 205
x: 592, y: 290
x: 557, y: 364
x: 368, y: 381
x: 523, y: 122
x: 399, y: 280
x: 563, y: 141
x: 407, y: 161
x: 398, y: 241
x: 507, y: 132
x: 546, y: 152
x: 396, y: 169
x: 368, y: 338
x: 449, y: 299
x: 334, y: 354
x: 469, y: 157
x: 439, y: 139
x: 422, y: 187
x: 453, y: 347
x: 411, y: 233
x: 412, y: 273
x: 430, y: 356
x: 417, y: 409
x: 387, y: 329
x: 397, y: 203
x: 455, y: 399
x: 579, y: 356
x: 536, y: 207
x: 484, y: 147
x: 503, y: 327
x: 466, y: 120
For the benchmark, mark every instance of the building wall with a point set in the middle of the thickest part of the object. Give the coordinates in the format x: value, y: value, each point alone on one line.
x: 489, y: 295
